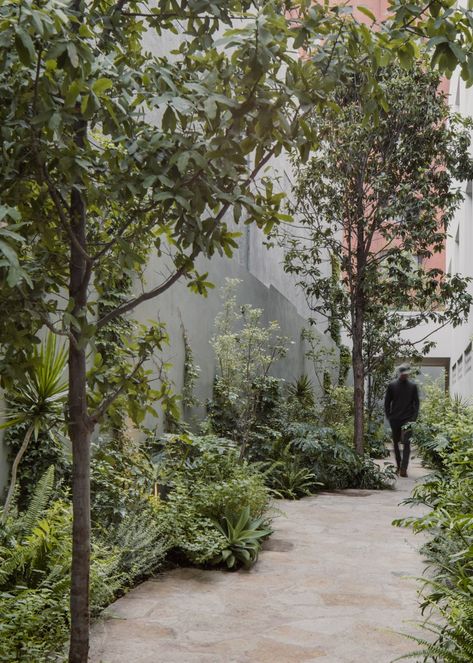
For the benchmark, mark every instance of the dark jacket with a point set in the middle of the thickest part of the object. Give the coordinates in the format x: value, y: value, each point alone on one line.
x: 401, y: 403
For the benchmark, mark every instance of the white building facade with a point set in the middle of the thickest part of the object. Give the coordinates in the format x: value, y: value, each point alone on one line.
x: 459, y: 254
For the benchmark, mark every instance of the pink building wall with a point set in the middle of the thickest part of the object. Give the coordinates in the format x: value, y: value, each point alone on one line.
x: 380, y: 9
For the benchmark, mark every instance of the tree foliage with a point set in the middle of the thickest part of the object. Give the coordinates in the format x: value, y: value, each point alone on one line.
x: 379, y: 196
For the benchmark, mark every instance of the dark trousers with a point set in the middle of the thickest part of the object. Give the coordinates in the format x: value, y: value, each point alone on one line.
x: 403, y: 437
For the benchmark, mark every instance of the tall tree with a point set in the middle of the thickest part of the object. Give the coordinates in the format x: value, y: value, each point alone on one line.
x: 110, y: 153
x: 379, y: 195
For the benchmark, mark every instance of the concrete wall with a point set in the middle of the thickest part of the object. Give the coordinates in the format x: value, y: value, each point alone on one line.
x: 180, y: 307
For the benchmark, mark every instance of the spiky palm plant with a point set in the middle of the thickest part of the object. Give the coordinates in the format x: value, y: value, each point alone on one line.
x: 302, y: 391
x: 37, y: 401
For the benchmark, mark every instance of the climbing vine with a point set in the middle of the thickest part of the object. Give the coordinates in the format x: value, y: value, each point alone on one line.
x: 191, y: 373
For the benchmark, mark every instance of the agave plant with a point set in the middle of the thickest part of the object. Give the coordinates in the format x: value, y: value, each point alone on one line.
x: 37, y: 401
x: 243, y: 534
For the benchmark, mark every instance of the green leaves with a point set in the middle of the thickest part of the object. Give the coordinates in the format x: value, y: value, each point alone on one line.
x: 367, y: 12
x: 243, y: 535
x: 101, y: 85
x: 73, y: 54
x: 11, y: 242
x: 25, y: 47
x: 447, y: 29
x: 443, y: 438
x: 39, y: 398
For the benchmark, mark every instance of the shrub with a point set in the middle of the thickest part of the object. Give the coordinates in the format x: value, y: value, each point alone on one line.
x: 287, y: 476
x: 334, y: 463
x: 122, y: 478
x: 206, y: 482
x: 34, y: 578
x: 269, y: 414
x: 35, y: 557
x: 301, y: 404
x: 445, y: 442
x: 376, y: 439
x: 445, y: 423
x: 338, y: 413
x: 245, y: 349
x: 140, y: 544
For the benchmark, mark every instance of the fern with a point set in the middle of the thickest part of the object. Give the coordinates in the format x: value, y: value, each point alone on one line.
x: 39, y: 501
x: 141, y: 545
x: 453, y: 644
x: 26, y: 538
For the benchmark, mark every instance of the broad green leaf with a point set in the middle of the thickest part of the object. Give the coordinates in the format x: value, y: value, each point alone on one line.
x: 101, y: 85
x: 73, y: 55
x: 367, y: 12
x: 25, y: 47
x: 9, y: 253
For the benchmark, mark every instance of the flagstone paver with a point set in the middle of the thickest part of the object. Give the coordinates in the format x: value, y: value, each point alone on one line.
x: 333, y: 585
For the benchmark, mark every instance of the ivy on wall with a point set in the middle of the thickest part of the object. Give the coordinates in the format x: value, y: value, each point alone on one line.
x: 191, y: 373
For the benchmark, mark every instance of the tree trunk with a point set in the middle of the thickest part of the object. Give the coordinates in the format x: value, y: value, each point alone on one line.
x: 358, y: 382
x: 358, y: 323
x: 14, y: 471
x: 80, y: 433
x: 370, y: 404
x: 80, y: 425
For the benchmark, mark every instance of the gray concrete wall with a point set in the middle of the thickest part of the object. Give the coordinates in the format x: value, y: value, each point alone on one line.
x: 179, y: 306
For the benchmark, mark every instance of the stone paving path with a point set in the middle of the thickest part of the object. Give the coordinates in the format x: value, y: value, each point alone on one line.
x: 334, y: 585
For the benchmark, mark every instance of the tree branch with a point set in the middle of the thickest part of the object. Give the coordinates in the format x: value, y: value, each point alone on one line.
x: 151, y: 294
x: 47, y: 323
x: 100, y: 411
x: 155, y: 292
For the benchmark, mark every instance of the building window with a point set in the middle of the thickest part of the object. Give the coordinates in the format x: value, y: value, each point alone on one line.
x: 454, y: 373
x: 467, y: 359
x: 460, y: 368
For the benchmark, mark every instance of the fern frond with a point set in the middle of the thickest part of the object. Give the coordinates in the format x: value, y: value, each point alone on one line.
x: 39, y: 502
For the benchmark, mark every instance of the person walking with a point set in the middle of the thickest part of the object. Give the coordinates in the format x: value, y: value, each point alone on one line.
x: 401, y: 406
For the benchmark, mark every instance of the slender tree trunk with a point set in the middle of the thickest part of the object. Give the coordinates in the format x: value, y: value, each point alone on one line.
x: 359, y: 386
x: 14, y: 471
x: 80, y: 432
x: 358, y: 321
x: 80, y: 425
x: 369, y: 399
x: 358, y: 368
